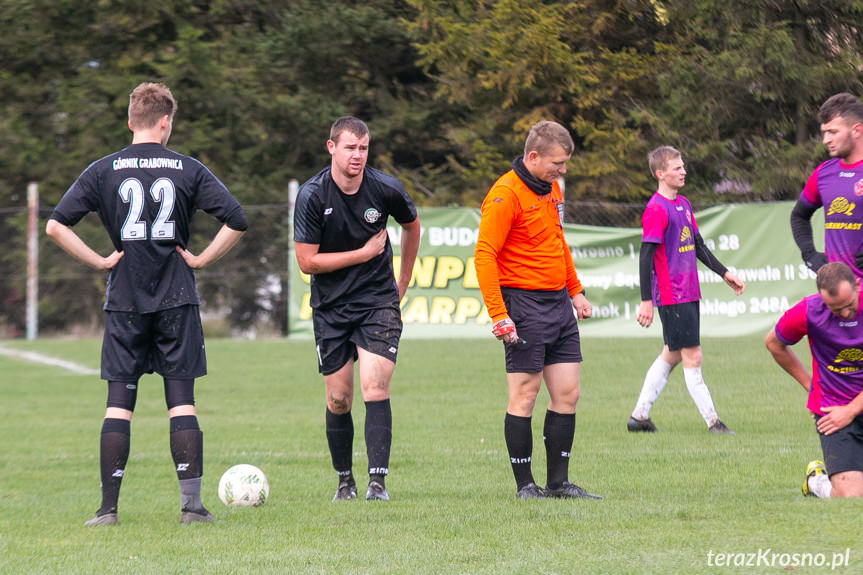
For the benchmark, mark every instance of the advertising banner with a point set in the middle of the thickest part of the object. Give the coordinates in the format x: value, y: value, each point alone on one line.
x: 753, y: 240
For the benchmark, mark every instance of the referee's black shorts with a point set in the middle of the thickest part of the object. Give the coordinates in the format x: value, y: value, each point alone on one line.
x: 681, y: 325
x: 546, y: 321
x: 339, y: 330
x: 169, y: 342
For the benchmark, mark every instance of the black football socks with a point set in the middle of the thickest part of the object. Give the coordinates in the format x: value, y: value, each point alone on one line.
x: 187, y: 449
x: 113, y: 454
x: 379, y: 438
x: 558, y: 431
x: 519, y: 445
x: 340, y: 438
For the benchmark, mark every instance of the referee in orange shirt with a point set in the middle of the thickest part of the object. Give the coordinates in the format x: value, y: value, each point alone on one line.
x: 533, y: 296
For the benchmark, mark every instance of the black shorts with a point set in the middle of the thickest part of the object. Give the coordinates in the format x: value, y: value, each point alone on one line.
x: 338, y: 332
x: 843, y: 450
x: 546, y: 321
x: 169, y: 342
x: 681, y: 325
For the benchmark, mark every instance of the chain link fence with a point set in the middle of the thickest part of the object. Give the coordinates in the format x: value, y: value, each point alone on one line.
x: 245, y: 294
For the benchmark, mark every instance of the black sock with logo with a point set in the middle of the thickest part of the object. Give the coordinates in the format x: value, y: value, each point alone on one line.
x: 379, y: 438
x: 113, y: 454
x: 558, y: 432
x: 340, y: 438
x: 519, y: 445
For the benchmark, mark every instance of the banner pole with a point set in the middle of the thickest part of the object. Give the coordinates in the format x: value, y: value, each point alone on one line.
x: 293, y: 188
x: 32, y: 260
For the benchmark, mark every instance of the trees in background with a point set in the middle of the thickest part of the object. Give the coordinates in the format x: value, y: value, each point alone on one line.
x: 449, y: 90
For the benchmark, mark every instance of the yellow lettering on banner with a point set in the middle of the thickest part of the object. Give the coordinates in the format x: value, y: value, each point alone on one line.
x: 306, y: 278
x: 306, y: 307
x: 423, y: 272
x: 444, y: 310
x: 470, y: 279
x: 417, y: 311
x: 467, y: 308
x: 441, y: 310
x: 448, y: 268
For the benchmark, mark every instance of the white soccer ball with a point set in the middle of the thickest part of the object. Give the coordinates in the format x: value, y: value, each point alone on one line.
x: 244, y: 485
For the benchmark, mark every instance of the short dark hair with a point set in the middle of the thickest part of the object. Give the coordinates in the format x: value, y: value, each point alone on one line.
x: 845, y: 105
x: 148, y: 102
x: 658, y: 158
x: 348, y: 124
x: 543, y: 136
x: 830, y: 275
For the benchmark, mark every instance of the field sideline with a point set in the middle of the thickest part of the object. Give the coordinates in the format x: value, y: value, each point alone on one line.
x: 675, y: 500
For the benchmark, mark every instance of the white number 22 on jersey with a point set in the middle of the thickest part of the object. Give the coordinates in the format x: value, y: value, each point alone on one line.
x: 163, y: 192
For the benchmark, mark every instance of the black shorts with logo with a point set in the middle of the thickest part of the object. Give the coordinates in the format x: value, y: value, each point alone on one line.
x: 843, y: 450
x: 169, y: 342
x: 339, y: 330
x: 545, y: 320
x: 681, y: 325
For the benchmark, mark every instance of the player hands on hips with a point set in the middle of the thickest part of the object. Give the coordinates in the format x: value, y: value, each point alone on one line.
x: 534, y: 297
x: 341, y: 241
x: 670, y: 248
x: 145, y: 196
x: 833, y: 323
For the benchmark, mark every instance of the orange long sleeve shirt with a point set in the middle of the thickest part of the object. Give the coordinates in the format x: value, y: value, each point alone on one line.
x: 521, y: 243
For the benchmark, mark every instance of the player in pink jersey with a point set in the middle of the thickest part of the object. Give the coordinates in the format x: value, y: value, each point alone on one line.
x: 837, y: 186
x: 833, y: 321
x: 670, y: 247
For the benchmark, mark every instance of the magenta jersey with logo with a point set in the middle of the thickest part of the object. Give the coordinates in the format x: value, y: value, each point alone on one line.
x: 838, y: 188
x: 837, y: 350
x: 670, y: 223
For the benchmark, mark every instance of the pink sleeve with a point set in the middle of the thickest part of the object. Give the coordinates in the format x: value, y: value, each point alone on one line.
x: 810, y: 194
x: 653, y: 224
x: 792, y: 326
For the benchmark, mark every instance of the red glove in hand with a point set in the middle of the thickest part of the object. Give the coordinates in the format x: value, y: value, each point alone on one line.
x: 503, y: 327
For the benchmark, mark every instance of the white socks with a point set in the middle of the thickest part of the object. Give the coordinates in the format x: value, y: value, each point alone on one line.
x: 820, y: 486
x: 654, y: 383
x: 700, y: 394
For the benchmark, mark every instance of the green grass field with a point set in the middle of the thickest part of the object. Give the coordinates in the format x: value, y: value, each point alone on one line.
x: 674, y: 500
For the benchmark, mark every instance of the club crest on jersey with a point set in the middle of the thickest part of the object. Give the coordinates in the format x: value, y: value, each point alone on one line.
x: 858, y: 188
x: 371, y: 215
x: 841, y: 206
x: 689, y: 217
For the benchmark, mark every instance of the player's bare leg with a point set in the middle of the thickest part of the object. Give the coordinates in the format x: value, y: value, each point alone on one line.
x: 375, y: 374
x: 847, y: 484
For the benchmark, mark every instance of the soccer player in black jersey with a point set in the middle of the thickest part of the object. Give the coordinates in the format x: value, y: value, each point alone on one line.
x: 341, y: 241
x: 145, y: 195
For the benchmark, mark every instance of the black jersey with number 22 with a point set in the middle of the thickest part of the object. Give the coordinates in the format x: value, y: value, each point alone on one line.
x: 146, y: 196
